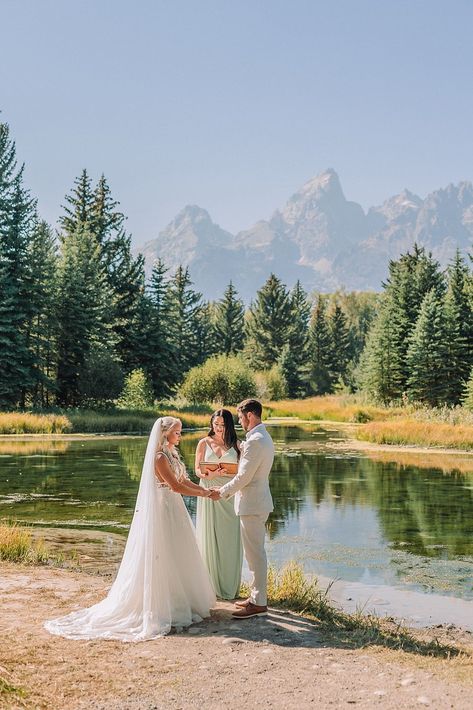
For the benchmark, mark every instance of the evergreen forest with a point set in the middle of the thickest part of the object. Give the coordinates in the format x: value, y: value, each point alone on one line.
x: 78, y: 316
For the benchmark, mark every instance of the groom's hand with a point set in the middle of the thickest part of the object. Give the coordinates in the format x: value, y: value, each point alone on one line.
x: 214, y: 494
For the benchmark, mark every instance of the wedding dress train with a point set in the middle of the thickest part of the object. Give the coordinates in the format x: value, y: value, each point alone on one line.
x: 162, y: 581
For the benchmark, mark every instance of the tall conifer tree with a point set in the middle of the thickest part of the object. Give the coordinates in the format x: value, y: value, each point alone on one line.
x: 183, y: 308
x: 321, y: 350
x: 82, y: 321
x: 294, y: 358
x: 230, y: 322
x: 268, y: 324
x: 44, y: 297
x: 341, y: 351
x: 426, y: 356
x: 17, y: 211
x: 79, y: 209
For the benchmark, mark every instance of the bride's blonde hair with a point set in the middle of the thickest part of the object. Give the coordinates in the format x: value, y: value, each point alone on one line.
x: 165, y: 424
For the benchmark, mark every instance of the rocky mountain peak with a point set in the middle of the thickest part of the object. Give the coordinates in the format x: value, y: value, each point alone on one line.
x: 319, y: 237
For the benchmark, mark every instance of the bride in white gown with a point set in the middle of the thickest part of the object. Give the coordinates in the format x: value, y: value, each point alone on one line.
x: 162, y: 581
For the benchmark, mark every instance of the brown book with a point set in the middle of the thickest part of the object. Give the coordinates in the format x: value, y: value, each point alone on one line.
x: 210, y: 469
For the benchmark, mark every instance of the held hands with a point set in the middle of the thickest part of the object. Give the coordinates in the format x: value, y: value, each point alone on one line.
x: 214, y: 493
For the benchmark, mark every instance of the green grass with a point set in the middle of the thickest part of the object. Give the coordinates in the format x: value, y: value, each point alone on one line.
x: 290, y: 588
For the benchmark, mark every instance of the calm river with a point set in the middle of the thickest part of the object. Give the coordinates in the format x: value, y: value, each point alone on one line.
x: 391, y: 531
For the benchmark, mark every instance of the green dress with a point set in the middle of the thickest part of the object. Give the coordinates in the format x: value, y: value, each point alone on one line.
x: 218, y: 533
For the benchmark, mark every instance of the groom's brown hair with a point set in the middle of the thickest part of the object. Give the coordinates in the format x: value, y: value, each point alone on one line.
x: 251, y: 405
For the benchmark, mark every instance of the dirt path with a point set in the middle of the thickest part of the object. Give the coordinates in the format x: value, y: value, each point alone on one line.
x: 282, y: 661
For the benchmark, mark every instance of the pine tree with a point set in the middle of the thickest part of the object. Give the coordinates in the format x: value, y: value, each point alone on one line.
x: 43, y: 324
x: 411, y: 277
x: 381, y: 369
x: 230, y: 322
x: 126, y: 282
x: 460, y: 328
x: 158, y: 357
x: 468, y: 393
x: 294, y: 358
x: 105, y: 220
x: 384, y: 367
x: 17, y: 211
x: 340, y: 336
x: 79, y: 210
x: 207, y: 340
x: 82, y: 311
x: 426, y: 356
x: 268, y: 324
x: 321, y: 350
x: 183, y: 309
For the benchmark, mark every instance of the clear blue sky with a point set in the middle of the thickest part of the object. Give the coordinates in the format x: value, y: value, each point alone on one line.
x: 234, y: 104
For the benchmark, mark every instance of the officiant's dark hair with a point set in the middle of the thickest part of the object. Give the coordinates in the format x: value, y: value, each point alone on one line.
x: 251, y: 405
x: 230, y: 437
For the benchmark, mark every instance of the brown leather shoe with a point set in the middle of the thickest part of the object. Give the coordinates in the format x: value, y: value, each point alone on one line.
x: 250, y: 610
x: 243, y: 603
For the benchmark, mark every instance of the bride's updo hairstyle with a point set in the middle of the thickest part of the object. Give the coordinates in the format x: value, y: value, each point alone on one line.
x: 165, y: 424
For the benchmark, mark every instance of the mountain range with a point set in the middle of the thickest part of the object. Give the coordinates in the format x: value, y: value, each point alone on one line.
x: 318, y: 237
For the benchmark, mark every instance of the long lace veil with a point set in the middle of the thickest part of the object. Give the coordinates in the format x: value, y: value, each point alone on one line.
x: 135, y: 607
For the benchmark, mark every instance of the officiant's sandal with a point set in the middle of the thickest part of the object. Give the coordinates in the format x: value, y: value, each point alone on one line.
x: 250, y: 610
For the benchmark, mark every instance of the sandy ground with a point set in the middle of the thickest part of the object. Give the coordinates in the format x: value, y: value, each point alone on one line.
x: 282, y: 661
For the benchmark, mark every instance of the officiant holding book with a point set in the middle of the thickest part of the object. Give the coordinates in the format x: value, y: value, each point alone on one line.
x: 217, y: 525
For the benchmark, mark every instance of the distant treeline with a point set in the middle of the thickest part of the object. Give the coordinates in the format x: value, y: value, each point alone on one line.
x: 77, y: 315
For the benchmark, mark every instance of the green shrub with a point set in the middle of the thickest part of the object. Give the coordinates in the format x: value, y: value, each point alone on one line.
x: 271, y: 384
x: 225, y: 379
x: 137, y: 392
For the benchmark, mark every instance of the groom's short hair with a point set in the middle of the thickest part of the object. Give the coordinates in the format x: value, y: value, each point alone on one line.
x: 251, y: 405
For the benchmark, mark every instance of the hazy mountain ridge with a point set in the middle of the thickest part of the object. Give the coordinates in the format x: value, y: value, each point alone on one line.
x: 319, y: 237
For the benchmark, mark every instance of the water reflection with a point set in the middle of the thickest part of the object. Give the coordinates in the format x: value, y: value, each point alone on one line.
x: 347, y: 515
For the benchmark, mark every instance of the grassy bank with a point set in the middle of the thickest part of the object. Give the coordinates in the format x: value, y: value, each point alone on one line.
x: 409, y: 431
x: 94, y: 422
x: 17, y: 545
x: 291, y: 589
x: 342, y: 408
x: 27, y: 423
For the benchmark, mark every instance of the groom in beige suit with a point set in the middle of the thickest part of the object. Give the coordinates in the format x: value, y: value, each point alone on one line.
x: 253, y: 503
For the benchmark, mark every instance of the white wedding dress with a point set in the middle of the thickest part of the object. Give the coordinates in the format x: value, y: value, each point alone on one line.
x: 162, y: 581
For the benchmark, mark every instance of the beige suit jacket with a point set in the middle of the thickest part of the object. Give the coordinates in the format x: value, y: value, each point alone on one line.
x: 250, y: 485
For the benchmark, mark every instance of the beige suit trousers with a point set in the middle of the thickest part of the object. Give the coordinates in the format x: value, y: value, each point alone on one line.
x: 253, y: 533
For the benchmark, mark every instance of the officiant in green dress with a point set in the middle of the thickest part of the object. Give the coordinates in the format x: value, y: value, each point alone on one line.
x: 217, y: 525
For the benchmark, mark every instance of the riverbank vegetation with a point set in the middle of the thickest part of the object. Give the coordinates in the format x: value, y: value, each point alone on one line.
x: 91, y: 343
x: 290, y: 588
x: 416, y: 433
x: 17, y: 545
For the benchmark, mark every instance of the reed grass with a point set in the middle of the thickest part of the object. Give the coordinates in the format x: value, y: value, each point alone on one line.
x: 129, y: 421
x: 290, y: 588
x: 17, y: 545
x: 29, y: 423
x: 409, y: 431
x: 340, y: 408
